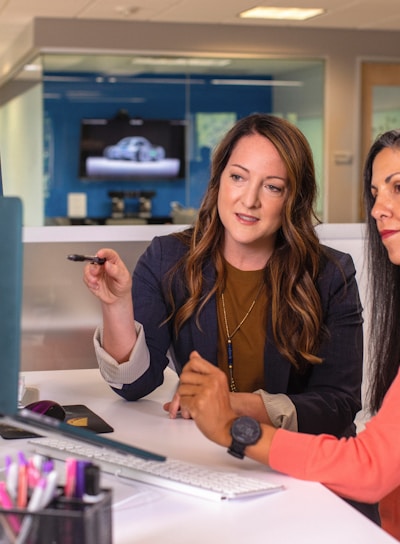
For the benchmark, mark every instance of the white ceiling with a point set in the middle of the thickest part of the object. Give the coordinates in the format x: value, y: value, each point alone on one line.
x: 343, y: 14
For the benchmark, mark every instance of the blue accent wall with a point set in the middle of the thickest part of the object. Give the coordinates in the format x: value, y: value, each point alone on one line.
x: 68, y: 98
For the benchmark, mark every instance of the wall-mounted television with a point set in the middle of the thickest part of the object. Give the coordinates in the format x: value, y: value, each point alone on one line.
x: 124, y: 148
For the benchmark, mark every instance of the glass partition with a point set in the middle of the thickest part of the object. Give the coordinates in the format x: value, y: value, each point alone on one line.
x: 385, y: 109
x: 207, y: 95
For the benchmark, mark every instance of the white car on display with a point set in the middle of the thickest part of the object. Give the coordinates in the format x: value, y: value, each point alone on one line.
x: 134, y: 148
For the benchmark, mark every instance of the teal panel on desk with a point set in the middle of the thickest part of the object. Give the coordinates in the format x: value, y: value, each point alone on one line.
x: 10, y: 301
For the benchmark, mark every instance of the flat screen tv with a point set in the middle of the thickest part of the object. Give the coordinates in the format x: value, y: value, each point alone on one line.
x: 131, y: 149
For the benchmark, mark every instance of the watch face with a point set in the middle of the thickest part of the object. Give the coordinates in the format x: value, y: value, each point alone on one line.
x: 246, y: 430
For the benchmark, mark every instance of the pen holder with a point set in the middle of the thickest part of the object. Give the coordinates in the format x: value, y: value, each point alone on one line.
x: 64, y: 521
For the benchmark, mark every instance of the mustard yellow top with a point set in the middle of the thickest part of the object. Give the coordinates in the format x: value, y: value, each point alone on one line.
x: 248, y: 342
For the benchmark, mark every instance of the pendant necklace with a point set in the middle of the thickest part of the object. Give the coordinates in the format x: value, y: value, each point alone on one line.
x: 229, y: 336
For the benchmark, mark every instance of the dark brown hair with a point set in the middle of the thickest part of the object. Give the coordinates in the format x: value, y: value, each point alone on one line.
x: 383, y: 289
x: 292, y: 270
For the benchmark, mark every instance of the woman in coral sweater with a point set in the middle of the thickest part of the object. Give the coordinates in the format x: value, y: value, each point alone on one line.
x: 365, y: 467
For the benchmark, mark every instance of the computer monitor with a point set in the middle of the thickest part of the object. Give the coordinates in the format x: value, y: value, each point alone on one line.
x: 11, y: 301
x: 11, y: 274
x: 11, y: 278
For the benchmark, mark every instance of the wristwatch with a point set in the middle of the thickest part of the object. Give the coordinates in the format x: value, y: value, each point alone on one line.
x: 245, y: 431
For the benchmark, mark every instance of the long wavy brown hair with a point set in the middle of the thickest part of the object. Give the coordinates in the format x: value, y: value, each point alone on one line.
x: 291, y: 272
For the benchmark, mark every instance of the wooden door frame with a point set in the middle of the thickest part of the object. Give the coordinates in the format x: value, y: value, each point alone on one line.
x: 373, y: 74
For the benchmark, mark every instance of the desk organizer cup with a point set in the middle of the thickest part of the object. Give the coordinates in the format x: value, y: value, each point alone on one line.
x: 64, y: 521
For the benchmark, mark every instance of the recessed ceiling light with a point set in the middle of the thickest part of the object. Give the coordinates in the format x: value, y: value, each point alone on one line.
x: 126, y: 11
x: 32, y: 67
x: 179, y: 61
x: 292, y: 14
x: 257, y: 82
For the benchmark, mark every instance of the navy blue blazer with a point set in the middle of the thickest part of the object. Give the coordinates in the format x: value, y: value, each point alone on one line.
x: 327, y: 396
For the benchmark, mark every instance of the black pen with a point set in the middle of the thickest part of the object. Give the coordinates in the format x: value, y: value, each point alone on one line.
x: 92, y: 492
x: 79, y: 258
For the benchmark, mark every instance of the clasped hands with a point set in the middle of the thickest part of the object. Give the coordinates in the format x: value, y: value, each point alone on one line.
x: 204, y: 396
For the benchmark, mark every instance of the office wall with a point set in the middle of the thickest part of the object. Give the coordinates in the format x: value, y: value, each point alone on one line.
x: 21, y: 122
x: 342, y: 50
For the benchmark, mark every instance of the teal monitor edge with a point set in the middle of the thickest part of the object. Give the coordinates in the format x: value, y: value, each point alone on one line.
x: 11, y: 272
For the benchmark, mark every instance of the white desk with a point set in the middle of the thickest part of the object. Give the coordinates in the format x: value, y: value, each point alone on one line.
x: 304, y: 512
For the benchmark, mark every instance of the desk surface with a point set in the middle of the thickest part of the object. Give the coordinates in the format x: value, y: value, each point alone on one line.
x: 304, y: 512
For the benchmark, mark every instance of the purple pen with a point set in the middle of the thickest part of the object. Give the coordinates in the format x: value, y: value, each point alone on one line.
x: 48, y: 466
x: 8, y: 462
x: 80, y: 478
x: 22, y: 460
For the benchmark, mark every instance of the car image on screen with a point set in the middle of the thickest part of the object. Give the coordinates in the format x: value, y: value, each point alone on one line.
x: 134, y: 148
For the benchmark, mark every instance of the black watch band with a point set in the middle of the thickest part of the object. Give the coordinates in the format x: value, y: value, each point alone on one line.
x: 236, y: 449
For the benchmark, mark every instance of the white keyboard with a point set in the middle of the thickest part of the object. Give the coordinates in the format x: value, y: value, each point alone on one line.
x: 172, y: 474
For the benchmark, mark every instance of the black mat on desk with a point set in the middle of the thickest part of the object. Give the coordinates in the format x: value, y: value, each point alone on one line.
x: 76, y: 415
x: 81, y: 416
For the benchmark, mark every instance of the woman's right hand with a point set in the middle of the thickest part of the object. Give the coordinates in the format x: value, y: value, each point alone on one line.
x: 110, y: 281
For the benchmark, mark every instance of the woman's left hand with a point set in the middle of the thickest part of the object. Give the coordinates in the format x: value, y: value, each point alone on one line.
x: 174, y: 408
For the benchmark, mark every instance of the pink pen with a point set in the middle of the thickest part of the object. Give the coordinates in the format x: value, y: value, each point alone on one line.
x: 6, y: 503
x: 70, y: 477
x: 5, y: 499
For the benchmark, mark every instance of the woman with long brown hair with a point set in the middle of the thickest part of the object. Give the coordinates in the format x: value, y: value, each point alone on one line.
x: 249, y: 287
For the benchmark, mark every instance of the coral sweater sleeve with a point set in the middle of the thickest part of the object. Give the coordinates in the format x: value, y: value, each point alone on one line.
x: 363, y: 468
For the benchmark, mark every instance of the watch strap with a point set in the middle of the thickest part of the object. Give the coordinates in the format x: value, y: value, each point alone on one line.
x: 236, y: 449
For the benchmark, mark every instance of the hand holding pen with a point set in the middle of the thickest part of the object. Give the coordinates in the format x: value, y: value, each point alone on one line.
x: 111, y: 282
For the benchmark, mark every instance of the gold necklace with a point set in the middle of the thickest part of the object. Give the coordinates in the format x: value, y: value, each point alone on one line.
x: 229, y: 336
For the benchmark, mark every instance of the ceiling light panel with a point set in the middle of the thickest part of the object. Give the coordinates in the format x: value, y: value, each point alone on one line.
x: 276, y: 13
